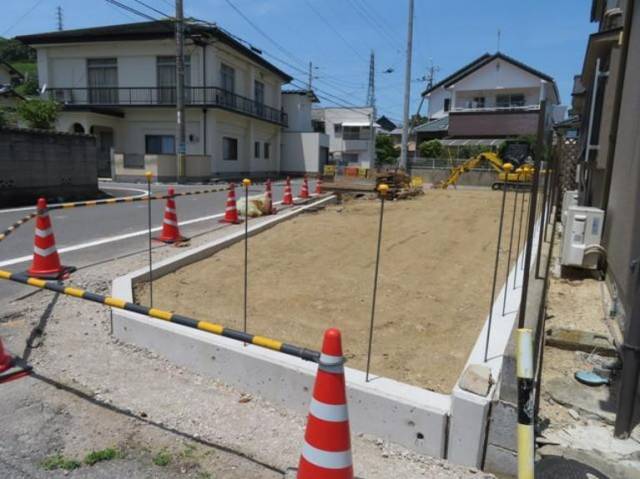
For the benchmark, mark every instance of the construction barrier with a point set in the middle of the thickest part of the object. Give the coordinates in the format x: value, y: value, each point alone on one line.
x: 217, y: 329
x: 329, y: 170
x: 16, y: 225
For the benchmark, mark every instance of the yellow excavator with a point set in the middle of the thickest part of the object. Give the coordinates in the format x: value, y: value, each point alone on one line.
x: 515, y: 152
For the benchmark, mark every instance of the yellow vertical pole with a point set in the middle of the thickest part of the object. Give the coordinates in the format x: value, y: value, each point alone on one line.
x: 526, y: 437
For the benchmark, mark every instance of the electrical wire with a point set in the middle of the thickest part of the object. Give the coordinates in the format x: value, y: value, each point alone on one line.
x: 263, y: 33
x: 152, y: 8
x: 131, y: 10
x: 22, y: 17
x: 377, y: 27
x: 336, y: 31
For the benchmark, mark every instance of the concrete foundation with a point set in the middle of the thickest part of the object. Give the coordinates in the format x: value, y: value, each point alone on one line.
x: 439, y: 425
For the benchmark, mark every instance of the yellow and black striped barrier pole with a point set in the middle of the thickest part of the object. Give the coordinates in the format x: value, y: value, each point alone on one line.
x: 217, y: 329
x: 17, y: 224
x: 526, y: 437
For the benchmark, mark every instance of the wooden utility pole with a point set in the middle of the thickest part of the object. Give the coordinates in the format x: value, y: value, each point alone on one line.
x: 180, y: 111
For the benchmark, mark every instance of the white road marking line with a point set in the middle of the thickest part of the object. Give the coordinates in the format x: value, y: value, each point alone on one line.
x: 112, y: 239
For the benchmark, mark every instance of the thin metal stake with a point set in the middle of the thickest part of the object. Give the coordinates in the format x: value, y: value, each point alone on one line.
x: 246, y: 182
x: 515, y: 276
x: 507, y: 168
x: 382, y: 189
x: 506, y: 279
x: 148, y: 175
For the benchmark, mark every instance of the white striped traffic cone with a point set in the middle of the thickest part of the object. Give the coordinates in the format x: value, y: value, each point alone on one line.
x: 304, y: 190
x: 231, y: 211
x: 46, y: 262
x: 170, y: 229
x: 326, y: 452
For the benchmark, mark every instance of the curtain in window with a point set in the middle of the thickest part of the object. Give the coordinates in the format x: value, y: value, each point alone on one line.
x: 227, y: 82
x: 166, y: 72
x: 102, y: 73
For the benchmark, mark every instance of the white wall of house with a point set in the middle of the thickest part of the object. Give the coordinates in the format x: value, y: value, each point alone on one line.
x: 495, y: 78
x: 65, y: 66
x: 298, y: 108
x: 345, y: 150
x: 302, y: 152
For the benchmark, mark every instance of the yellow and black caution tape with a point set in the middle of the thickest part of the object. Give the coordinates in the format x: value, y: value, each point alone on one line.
x: 275, y: 345
x: 16, y: 225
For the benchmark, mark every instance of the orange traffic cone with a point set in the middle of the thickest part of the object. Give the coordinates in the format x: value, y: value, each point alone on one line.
x: 170, y: 230
x: 231, y: 212
x: 46, y: 262
x: 268, y: 199
x: 319, y: 186
x: 10, y: 367
x: 287, y: 199
x: 326, y: 451
x: 304, y: 191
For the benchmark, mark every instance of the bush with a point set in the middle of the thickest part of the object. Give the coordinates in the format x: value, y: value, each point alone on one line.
x: 386, y: 152
x: 40, y: 114
x: 430, y: 149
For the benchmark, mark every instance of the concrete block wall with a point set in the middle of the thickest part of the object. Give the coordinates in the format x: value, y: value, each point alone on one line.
x: 55, y: 165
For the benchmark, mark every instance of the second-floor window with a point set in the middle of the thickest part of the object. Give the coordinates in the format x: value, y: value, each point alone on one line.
x: 355, y: 133
x: 267, y: 150
x: 227, y: 78
x: 510, y: 100
x: 102, y: 75
x: 447, y: 104
x: 166, y: 73
x: 256, y: 149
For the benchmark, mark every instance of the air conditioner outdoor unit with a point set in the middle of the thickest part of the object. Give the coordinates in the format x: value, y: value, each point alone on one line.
x: 582, y: 235
x: 569, y: 199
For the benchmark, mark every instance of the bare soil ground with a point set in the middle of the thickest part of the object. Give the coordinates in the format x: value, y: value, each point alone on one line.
x: 316, y: 271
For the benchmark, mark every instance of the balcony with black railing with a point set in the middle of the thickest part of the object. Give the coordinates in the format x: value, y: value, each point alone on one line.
x: 121, y: 97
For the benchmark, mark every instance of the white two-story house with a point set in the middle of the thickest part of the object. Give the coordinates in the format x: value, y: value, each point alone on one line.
x: 350, y: 136
x: 118, y: 83
x: 495, y: 96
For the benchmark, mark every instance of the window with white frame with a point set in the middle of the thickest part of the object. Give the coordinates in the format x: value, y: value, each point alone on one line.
x: 102, y: 76
x: 510, y: 100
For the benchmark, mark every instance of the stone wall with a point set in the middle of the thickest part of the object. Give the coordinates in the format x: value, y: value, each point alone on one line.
x: 58, y: 166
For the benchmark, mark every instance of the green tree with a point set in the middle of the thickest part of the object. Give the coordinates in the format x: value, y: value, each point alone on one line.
x: 40, y: 114
x: 430, y: 149
x: 15, y: 51
x: 386, y: 152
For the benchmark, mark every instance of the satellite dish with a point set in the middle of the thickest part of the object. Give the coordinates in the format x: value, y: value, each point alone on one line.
x: 43, y: 89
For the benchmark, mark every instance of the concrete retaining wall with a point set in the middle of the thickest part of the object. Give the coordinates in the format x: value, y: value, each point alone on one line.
x: 55, y: 165
x: 452, y: 426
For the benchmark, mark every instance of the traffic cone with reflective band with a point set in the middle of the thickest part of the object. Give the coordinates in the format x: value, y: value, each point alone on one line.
x: 231, y: 211
x: 287, y: 199
x: 268, y: 199
x: 326, y: 452
x: 304, y: 191
x: 46, y: 262
x: 10, y: 367
x: 170, y: 230
x: 319, y: 186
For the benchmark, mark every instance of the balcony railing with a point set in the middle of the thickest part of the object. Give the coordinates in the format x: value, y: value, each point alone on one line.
x: 215, y: 97
x: 496, y: 109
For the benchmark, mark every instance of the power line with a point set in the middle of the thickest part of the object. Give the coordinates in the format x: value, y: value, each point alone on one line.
x: 335, y: 30
x: 131, y: 9
x: 152, y: 8
x: 264, y: 34
x: 373, y: 23
x: 22, y: 17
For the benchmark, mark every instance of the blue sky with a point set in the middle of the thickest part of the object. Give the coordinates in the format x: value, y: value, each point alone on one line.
x: 338, y: 36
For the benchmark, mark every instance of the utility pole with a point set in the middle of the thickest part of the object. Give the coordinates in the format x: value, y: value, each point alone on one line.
x: 371, y: 101
x: 407, y: 90
x: 59, y: 18
x: 180, y: 112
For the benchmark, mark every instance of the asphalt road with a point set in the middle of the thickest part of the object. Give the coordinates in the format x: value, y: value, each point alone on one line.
x: 89, y: 236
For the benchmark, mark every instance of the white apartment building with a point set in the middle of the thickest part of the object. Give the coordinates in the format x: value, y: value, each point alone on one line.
x: 118, y: 83
x: 349, y: 133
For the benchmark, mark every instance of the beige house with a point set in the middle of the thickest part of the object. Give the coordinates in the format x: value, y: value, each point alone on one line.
x: 118, y: 83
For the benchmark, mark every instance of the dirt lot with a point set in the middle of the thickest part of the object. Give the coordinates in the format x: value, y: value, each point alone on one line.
x: 316, y: 271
